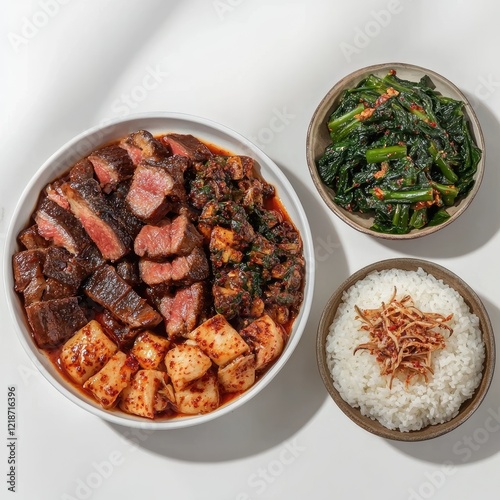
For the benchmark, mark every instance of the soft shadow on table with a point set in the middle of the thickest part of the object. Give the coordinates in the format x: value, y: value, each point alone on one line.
x: 480, y: 222
x: 291, y: 400
x: 475, y: 440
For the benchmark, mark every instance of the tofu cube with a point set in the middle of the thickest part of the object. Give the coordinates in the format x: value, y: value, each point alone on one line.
x: 108, y: 382
x: 266, y: 339
x: 238, y: 375
x: 147, y: 394
x: 84, y: 354
x: 219, y: 340
x: 150, y: 349
x: 201, y: 396
x: 186, y: 363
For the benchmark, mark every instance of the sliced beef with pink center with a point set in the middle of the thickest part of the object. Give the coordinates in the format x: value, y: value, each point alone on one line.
x: 176, y: 166
x: 62, y: 228
x: 177, y: 237
x: 112, y: 165
x: 143, y: 146
x: 183, y: 309
x: 189, y: 146
x: 55, y: 193
x: 147, y: 197
x: 96, y: 216
x: 183, y: 270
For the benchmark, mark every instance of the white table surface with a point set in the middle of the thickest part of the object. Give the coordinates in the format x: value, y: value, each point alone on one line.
x: 259, y: 67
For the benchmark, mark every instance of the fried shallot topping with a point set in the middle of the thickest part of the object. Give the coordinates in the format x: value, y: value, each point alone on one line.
x: 403, y: 338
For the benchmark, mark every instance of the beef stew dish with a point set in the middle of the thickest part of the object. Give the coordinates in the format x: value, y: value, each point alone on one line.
x: 160, y: 275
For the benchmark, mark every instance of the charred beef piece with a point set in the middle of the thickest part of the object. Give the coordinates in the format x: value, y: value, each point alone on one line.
x: 62, y: 266
x: 28, y: 274
x: 63, y: 229
x: 180, y: 271
x: 128, y: 220
x: 54, y: 192
x: 147, y: 197
x: 89, y: 205
x: 176, y: 166
x: 122, y: 335
x: 129, y: 271
x: 189, y: 146
x: 112, y: 165
x: 109, y: 290
x: 55, y: 289
x: 177, y: 237
x: 30, y: 238
x: 55, y: 321
x: 81, y: 171
x: 183, y: 309
x: 143, y: 146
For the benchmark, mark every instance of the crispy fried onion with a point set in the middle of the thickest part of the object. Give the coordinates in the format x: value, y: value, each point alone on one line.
x: 403, y: 338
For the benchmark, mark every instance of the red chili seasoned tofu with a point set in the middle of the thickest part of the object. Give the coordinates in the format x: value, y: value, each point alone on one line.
x: 219, y: 340
x: 107, y: 384
x: 84, y: 354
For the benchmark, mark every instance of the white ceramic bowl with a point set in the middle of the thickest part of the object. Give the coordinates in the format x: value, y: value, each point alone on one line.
x: 81, y: 146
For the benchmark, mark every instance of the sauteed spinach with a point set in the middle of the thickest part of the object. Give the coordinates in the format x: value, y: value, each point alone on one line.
x: 400, y: 151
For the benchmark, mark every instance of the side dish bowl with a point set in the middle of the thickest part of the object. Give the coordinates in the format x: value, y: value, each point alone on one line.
x: 471, y: 299
x: 318, y: 139
x: 84, y: 144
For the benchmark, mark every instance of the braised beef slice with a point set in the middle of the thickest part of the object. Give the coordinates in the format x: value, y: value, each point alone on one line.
x: 89, y: 205
x: 143, y: 146
x: 55, y: 289
x: 183, y: 270
x: 63, y: 229
x: 122, y: 335
x: 147, y: 197
x: 28, y: 274
x: 30, y: 238
x: 177, y: 237
x: 62, y: 266
x: 55, y: 321
x: 81, y: 171
x: 189, y: 146
x: 129, y: 271
x: 175, y: 165
x: 121, y: 210
x: 112, y: 165
x: 183, y: 309
x: 54, y: 192
x: 109, y: 290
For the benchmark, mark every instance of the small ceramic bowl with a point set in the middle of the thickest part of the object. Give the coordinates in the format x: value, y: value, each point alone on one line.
x: 472, y: 300
x: 318, y: 139
x: 82, y: 145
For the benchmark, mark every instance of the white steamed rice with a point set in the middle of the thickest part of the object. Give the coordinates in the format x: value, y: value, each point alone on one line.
x: 457, y: 368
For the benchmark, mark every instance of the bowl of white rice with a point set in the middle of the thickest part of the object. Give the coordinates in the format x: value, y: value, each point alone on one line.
x: 403, y: 407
